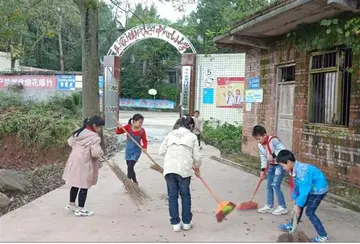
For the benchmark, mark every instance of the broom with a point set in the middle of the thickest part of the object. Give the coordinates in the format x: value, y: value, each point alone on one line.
x: 251, y: 204
x: 224, y: 208
x: 154, y: 165
x: 137, y: 194
x: 294, y: 235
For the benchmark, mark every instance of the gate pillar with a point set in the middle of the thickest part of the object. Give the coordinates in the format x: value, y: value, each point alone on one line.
x: 187, y: 93
x: 111, y: 91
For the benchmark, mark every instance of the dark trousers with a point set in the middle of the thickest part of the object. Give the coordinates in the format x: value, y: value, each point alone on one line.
x: 199, y: 139
x: 130, y: 170
x: 82, y: 196
x: 312, y: 204
x: 178, y: 185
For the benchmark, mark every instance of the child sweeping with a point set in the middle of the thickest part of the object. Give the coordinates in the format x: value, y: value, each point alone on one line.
x: 182, y: 156
x: 132, y: 151
x: 269, y: 147
x: 309, y: 187
x: 81, y: 170
x: 198, y: 128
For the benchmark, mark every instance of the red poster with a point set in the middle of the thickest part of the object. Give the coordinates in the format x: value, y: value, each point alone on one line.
x: 230, y: 92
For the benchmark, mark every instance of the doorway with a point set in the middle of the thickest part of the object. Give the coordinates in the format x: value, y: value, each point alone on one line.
x: 285, y: 104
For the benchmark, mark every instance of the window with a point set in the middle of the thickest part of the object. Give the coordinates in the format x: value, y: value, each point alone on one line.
x: 287, y: 74
x: 330, y: 86
x: 172, y: 77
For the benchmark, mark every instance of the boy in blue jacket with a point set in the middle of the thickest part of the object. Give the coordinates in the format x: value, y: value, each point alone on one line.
x: 309, y: 189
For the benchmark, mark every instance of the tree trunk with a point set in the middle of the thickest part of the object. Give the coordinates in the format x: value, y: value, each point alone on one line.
x: 13, y: 62
x: 90, y: 57
x: 62, y: 67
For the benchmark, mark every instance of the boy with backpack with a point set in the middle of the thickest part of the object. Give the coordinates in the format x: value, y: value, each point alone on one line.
x: 269, y: 147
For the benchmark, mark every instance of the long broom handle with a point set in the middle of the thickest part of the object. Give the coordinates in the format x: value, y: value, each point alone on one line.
x: 260, y: 181
x: 208, y: 187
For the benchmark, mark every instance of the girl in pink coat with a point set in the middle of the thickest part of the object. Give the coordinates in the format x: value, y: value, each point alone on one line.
x: 82, y: 167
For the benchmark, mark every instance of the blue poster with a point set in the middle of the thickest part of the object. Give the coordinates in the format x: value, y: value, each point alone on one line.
x: 146, y: 103
x: 65, y: 82
x: 208, y: 95
x: 254, y: 82
x: 101, y: 81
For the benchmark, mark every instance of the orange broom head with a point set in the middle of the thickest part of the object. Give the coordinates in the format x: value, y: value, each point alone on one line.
x: 247, y: 206
x: 223, y: 210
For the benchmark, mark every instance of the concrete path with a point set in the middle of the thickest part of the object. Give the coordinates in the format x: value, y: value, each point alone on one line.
x: 117, y: 220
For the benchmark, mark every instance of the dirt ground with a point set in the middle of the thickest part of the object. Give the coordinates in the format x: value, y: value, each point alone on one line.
x: 42, y: 167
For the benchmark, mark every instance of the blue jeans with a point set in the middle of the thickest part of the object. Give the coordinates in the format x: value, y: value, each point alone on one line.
x: 175, y: 185
x: 311, y: 205
x: 275, y: 175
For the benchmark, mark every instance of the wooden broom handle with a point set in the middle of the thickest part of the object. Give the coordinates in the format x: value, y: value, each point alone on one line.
x: 207, y: 186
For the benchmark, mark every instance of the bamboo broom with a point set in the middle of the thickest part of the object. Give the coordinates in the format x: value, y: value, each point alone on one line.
x: 136, y: 193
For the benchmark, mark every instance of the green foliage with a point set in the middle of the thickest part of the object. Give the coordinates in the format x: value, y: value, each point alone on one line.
x: 216, y: 17
x: 327, y: 34
x: 226, y: 137
x: 40, y: 124
x: 168, y: 91
x: 146, y: 63
x: 29, y: 32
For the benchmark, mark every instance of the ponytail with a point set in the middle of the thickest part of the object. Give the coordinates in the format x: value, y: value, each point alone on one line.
x: 94, y: 120
x: 78, y: 131
x: 136, y: 117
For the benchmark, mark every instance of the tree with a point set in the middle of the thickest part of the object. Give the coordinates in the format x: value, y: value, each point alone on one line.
x: 89, y: 10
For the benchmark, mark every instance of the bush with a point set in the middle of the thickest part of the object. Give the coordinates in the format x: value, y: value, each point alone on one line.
x: 226, y: 137
x: 40, y: 124
x: 168, y: 92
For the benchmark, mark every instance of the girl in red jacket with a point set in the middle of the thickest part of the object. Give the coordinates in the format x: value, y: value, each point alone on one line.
x: 132, y: 151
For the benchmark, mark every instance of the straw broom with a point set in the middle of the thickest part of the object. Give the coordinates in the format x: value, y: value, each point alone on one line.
x: 137, y: 194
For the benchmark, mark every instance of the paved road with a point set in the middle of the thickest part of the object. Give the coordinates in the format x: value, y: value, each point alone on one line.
x: 117, y: 220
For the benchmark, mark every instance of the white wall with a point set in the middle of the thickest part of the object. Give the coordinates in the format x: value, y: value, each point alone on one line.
x: 5, y: 63
x: 223, y: 65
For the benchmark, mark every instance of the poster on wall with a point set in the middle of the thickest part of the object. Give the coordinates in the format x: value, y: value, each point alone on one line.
x: 185, y: 89
x: 66, y: 82
x: 208, y: 95
x: 230, y: 92
x: 146, y: 103
x: 254, y: 82
x: 28, y: 81
x: 254, y: 95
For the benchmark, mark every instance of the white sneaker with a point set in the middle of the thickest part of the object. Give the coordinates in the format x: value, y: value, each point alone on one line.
x: 71, y: 207
x: 188, y: 226
x: 280, y: 211
x: 177, y: 227
x: 83, y: 212
x: 265, y: 209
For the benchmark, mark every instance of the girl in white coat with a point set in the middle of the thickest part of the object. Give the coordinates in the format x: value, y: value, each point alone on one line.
x: 182, y: 157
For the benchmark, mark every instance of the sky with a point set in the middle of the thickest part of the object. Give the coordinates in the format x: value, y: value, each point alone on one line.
x: 165, y: 10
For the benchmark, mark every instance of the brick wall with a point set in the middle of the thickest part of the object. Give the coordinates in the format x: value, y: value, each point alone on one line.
x: 336, y: 150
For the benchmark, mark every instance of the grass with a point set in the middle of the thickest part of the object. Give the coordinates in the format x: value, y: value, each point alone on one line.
x: 40, y: 124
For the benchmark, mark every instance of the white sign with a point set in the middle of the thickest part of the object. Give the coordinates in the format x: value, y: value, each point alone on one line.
x: 248, y: 107
x: 158, y: 31
x: 209, y: 72
x: 209, y: 82
x: 186, y: 79
x: 152, y: 92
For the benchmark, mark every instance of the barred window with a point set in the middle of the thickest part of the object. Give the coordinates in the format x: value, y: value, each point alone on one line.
x: 330, y: 86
